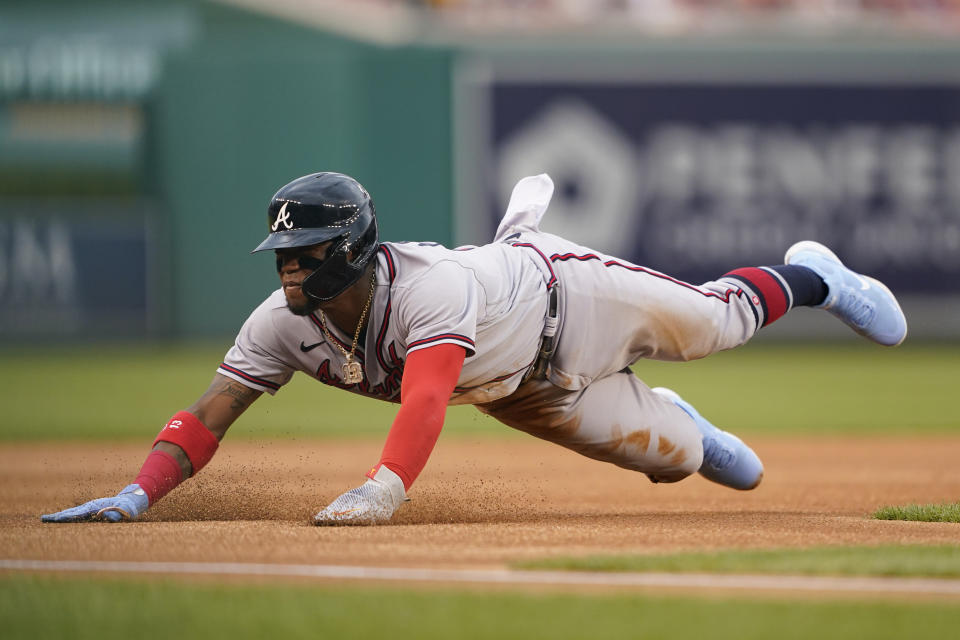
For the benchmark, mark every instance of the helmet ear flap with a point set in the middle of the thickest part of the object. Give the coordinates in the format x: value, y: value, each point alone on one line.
x: 334, y: 275
x: 364, y: 245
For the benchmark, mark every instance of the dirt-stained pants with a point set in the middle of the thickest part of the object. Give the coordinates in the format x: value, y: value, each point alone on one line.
x: 616, y: 419
x: 613, y: 313
x: 622, y: 314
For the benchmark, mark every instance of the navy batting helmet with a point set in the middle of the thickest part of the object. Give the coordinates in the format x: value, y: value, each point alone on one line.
x: 323, y: 207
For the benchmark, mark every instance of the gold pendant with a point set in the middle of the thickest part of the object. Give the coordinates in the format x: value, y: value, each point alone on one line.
x: 352, y: 372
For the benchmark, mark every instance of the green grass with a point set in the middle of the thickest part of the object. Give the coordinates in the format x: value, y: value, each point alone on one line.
x: 852, y: 388
x: 97, y: 391
x: 79, y: 608
x: 921, y: 513
x: 129, y: 392
x: 914, y: 561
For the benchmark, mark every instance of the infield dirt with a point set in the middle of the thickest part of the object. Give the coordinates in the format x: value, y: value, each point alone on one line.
x: 479, y: 503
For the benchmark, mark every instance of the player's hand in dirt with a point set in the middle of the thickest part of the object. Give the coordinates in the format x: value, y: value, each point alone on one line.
x: 126, y: 505
x: 373, y: 502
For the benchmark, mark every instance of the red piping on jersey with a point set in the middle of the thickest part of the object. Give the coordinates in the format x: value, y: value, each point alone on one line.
x: 442, y: 336
x: 383, y: 332
x: 391, y: 269
x: 248, y: 377
x: 391, y: 264
x: 553, y: 276
x: 562, y: 257
x: 387, y: 311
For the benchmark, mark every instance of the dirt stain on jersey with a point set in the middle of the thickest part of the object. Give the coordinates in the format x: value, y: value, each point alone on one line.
x: 542, y: 421
x: 665, y: 446
x: 679, y: 457
x: 640, y: 439
x: 602, y: 449
x: 561, y: 379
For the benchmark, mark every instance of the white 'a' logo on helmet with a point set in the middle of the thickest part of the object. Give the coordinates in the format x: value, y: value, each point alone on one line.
x: 284, y: 217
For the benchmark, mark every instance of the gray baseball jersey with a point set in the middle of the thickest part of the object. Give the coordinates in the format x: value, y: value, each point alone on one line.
x: 493, y: 300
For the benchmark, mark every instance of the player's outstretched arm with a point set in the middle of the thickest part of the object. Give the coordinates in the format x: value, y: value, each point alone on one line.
x: 429, y: 377
x: 185, y: 444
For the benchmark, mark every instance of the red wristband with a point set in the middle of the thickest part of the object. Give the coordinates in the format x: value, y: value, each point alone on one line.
x: 187, y: 432
x: 159, y: 475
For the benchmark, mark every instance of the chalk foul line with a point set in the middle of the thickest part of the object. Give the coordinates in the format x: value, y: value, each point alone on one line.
x: 931, y: 586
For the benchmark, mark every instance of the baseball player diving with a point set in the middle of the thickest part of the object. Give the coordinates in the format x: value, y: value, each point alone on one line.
x: 533, y: 329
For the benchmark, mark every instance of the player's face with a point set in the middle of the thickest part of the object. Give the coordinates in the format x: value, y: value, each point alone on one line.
x: 292, y: 275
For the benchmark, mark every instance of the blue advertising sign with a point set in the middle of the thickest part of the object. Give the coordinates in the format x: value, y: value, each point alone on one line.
x: 73, y: 276
x: 696, y: 179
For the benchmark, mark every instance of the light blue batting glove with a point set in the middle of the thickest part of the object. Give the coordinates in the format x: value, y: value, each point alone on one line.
x: 126, y: 505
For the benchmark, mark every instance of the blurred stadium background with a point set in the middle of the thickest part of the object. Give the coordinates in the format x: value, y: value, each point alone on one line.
x: 140, y: 142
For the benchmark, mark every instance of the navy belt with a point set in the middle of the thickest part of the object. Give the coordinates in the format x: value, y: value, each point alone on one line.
x: 547, y: 340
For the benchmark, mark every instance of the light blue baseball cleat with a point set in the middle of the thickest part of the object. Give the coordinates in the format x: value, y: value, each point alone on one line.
x: 726, y: 459
x: 865, y: 304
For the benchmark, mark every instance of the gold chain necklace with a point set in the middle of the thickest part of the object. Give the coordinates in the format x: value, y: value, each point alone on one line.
x: 352, y: 371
